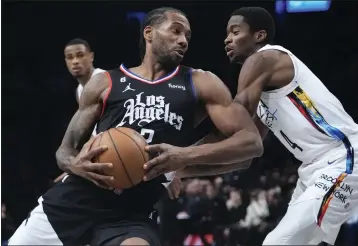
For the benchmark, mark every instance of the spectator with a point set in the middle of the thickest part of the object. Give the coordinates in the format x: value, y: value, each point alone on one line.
x: 235, y: 233
x: 7, y: 225
x: 257, y: 211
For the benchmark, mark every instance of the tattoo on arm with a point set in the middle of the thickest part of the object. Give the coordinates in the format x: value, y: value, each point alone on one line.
x: 82, y: 123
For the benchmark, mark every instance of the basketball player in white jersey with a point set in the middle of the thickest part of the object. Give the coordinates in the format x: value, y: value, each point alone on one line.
x: 284, y: 96
x: 307, y: 118
x: 79, y: 61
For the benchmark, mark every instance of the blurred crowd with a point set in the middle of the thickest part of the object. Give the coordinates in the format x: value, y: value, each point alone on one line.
x: 232, y: 209
x: 224, y: 211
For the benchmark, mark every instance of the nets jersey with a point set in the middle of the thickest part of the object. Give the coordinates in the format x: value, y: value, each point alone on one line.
x: 305, y: 116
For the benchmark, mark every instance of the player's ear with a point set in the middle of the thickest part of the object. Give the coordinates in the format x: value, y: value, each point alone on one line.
x: 260, y: 36
x: 148, y: 33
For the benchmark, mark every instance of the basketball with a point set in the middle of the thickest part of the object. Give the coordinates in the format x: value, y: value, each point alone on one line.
x: 126, y: 153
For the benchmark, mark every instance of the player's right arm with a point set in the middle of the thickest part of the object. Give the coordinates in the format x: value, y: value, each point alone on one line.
x: 75, y: 155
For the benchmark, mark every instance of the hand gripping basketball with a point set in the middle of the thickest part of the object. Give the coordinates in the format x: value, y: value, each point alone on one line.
x: 170, y: 159
x: 83, y: 166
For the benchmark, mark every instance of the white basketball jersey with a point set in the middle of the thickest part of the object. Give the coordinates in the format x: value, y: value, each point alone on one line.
x: 80, y: 90
x: 304, y: 115
x: 80, y: 87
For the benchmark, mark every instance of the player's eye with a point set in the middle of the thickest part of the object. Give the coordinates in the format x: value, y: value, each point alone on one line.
x: 176, y: 31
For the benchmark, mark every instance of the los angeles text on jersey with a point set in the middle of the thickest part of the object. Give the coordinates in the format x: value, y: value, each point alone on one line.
x: 145, y: 109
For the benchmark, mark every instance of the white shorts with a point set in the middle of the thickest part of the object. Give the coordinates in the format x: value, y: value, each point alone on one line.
x: 323, y: 200
x: 35, y: 230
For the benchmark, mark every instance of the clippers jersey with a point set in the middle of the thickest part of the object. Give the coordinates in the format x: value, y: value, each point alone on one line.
x: 305, y: 116
x: 162, y: 111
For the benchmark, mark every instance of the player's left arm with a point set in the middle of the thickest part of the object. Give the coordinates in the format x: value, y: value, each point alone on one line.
x: 244, y: 141
x: 209, y: 170
x: 231, y: 118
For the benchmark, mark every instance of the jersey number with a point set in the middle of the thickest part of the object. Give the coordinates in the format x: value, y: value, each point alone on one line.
x: 148, y: 134
x: 292, y: 144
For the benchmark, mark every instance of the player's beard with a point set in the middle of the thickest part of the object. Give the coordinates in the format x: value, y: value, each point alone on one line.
x: 165, y: 56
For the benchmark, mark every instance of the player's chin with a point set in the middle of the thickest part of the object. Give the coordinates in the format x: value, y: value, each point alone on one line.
x: 76, y: 74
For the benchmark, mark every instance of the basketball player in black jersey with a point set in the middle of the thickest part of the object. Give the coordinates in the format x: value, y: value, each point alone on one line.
x: 159, y: 99
x: 79, y: 61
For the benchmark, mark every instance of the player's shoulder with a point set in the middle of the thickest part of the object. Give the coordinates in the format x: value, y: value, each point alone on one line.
x: 263, y: 57
x: 204, y: 74
x: 209, y: 85
x: 98, y: 80
x: 98, y: 70
x: 260, y: 62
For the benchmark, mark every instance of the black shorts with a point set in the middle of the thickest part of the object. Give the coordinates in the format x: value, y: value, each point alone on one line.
x: 72, y: 214
x: 115, y: 233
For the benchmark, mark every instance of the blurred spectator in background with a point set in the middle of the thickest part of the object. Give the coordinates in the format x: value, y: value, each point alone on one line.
x: 7, y: 225
x: 235, y: 233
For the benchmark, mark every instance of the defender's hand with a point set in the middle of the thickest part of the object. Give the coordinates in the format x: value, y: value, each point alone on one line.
x: 174, y: 188
x: 170, y: 159
x: 85, y: 168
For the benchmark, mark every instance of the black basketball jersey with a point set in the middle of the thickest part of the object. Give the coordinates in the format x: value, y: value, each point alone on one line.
x: 162, y: 111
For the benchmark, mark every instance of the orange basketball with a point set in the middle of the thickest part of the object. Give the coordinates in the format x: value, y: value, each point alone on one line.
x: 126, y: 153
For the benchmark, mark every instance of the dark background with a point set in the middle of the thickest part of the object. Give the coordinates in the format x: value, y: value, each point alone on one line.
x: 38, y: 94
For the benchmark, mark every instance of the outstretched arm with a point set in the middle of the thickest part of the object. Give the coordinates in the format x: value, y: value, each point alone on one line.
x: 230, y: 117
x: 235, y: 120
x: 209, y: 170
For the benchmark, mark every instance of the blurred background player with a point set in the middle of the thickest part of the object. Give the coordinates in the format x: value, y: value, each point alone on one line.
x: 79, y: 61
x: 288, y: 99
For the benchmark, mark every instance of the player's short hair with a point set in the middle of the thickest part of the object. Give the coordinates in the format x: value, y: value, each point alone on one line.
x: 79, y: 41
x: 154, y: 17
x: 258, y: 19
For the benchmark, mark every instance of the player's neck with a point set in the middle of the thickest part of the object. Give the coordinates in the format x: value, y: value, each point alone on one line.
x: 259, y: 46
x: 151, y: 69
x: 85, y: 78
